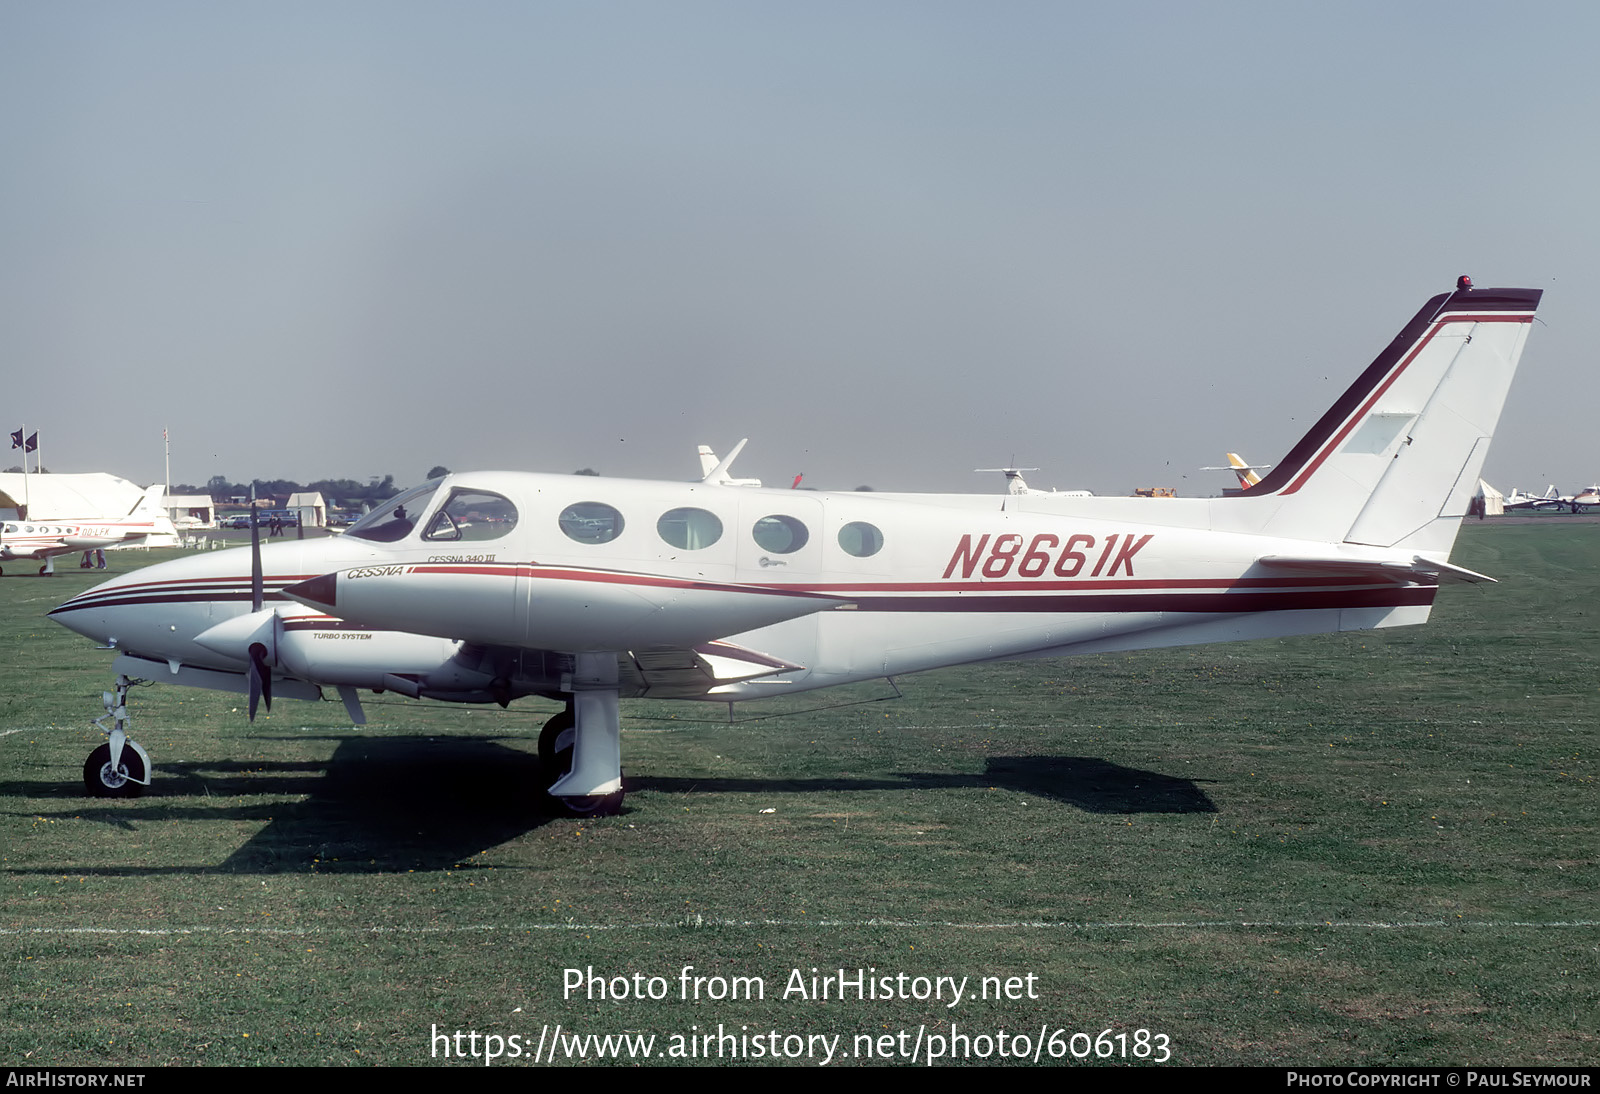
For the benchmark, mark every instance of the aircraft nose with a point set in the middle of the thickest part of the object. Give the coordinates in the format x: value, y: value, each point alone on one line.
x: 84, y: 624
x: 144, y: 608
x: 95, y: 613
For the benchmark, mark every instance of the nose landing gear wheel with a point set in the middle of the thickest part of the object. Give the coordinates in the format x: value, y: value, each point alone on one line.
x: 100, y: 780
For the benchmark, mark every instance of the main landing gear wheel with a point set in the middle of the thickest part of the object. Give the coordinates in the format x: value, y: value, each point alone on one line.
x: 555, y: 760
x: 127, y: 780
x: 555, y: 746
x: 593, y: 805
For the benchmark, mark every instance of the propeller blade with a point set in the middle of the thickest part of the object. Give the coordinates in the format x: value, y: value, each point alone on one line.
x: 255, y: 688
x: 260, y: 678
x: 257, y: 593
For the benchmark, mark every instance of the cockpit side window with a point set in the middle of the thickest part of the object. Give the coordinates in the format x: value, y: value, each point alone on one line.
x: 393, y: 520
x: 471, y: 516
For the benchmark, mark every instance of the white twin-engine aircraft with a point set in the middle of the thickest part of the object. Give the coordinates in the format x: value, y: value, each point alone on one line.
x: 42, y: 540
x: 487, y: 587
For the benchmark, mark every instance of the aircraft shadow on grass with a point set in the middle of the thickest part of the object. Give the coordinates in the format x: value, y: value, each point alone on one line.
x: 1083, y: 782
x: 382, y: 805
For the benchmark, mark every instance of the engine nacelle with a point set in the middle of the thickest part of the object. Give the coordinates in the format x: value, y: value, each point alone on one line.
x: 331, y: 652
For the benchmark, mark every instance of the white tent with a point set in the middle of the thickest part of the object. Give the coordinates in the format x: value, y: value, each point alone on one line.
x: 86, y: 497
x: 48, y: 496
x: 1494, y: 502
x: 310, y: 507
x: 191, y: 510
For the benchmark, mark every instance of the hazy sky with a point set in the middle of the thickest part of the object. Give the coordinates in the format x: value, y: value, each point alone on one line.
x: 890, y: 242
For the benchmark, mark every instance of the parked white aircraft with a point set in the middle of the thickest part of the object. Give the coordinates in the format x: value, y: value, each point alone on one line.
x: 491, y: 586
x: 1016, y: 485
x: 1518, y: 500
x: 1583, y: 499
x: 1571, y: 502
x: 43, y: 540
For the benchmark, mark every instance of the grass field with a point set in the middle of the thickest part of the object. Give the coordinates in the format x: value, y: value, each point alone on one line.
x: 1368, y: 848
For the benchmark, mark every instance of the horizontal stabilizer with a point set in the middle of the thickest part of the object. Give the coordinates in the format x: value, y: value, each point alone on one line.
x: 1419, y: 571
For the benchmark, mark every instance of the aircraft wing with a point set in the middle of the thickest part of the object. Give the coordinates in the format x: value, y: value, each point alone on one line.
x: 694, y: 673
x: 39, y: 550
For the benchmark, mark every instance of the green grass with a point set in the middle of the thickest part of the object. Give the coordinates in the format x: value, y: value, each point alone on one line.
x: 1366, y: 848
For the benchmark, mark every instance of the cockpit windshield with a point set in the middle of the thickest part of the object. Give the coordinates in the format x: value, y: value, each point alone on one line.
x: 393, y: 520
x: 472, y: 515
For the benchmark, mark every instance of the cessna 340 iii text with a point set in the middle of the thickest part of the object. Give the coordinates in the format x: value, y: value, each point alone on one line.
x: 487, y: 587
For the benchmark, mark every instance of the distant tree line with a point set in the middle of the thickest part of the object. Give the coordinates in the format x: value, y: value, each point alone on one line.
x: 346, y: 493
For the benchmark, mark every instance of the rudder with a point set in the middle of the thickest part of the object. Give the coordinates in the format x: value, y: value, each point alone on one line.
x: 1395, y: 462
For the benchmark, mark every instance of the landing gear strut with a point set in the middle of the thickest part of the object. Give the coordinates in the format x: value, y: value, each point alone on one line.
x: 580, y: 749
x: 120, y: 768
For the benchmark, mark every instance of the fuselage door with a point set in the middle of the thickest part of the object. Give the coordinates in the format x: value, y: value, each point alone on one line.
x: 780, y: 537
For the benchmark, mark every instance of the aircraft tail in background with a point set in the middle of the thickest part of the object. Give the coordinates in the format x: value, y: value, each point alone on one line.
x: 149, y: 503
x: 1248, y: 474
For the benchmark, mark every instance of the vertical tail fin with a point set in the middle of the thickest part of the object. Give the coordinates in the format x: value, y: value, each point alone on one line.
x: 708, y: 460
x: 1246, y: 473
x: 149, y: 503
x: 1395, y: 462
